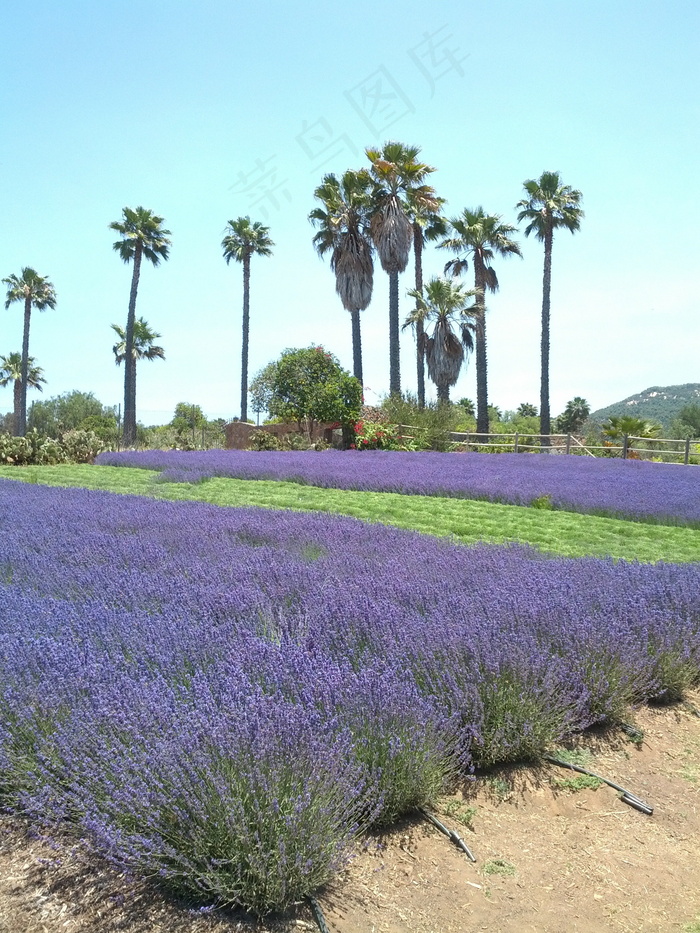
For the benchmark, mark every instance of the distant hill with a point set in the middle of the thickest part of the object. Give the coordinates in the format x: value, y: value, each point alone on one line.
x: 659, y: 403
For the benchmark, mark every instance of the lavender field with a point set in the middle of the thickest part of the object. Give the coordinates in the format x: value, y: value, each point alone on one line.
x: 627, y: 488
x: 223, y: 699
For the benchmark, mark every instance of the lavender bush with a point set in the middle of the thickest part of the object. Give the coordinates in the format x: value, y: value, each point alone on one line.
x: 224, y: 698
x: 628, y: 488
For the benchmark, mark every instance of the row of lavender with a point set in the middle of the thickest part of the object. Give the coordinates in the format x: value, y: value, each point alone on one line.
x: 225, y: 698
x: 628, y: 488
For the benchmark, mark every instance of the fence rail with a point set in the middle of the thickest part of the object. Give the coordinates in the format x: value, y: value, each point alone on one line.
x: 630, y: 447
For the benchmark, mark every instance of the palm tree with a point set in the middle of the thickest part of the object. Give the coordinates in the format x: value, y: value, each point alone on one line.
x: 11, y: 371
x: 480, y: 236
x: 35, y: 291
x: 618, y: 425
x: 142, y: 234
x: 444, y: 349
x: 526, y: 410
x: 343, y: 224
x: 574, y: 416
x: 243, y: 240
x: 395, y: 171
x: 548, y: 206
x: 142, y: 347
x: 428, y: 225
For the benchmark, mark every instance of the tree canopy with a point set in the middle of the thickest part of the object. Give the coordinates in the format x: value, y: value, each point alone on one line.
x: 306, y: 386
x: 54, y: 416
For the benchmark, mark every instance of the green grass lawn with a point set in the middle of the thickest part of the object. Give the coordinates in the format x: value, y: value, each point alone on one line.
x: 468, y: 521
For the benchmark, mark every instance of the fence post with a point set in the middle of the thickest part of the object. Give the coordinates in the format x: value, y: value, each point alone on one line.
x: 568, y: 443
x: 515, y: 445
x: 625, y: 442
x: 687, y: 451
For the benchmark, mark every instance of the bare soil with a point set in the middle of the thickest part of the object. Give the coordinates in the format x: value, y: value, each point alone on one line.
x: 549, y: 859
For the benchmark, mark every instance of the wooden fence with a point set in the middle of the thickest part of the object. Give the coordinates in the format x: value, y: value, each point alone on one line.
x: 638, y: 448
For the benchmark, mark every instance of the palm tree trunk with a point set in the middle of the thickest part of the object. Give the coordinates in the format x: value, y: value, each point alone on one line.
x: 356, y: 346
x: 129, y: 438
x: 245, y: 337
x: 443, y: 394
x: 482, y: 402
x: 394, y: 350
x: 420, y: 352
x: 545, y: 425
x: 22, y: 422
x: 17, y: 392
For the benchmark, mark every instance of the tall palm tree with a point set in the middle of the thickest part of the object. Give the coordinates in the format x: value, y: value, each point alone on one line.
x: 35, y: 291
x: 11, y: 371
x: 395, y: 171
x: 343, y: 223
x: 480, y: 236
x: 243, y: 240
x: 548, y: 206
x: 142, y: 235
x: 446, y: 347
x: 428, y: 225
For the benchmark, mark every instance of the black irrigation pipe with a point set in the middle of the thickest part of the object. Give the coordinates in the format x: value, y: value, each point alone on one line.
x: 318, y: 914
x: 450, y: 833
x: 627, y: 795
x: 632, y: 731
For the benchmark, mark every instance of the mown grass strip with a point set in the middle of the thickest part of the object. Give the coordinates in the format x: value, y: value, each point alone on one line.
x: 567, y: 534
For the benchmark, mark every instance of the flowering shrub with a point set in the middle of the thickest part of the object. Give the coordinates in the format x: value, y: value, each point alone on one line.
x: 643, y: 490
x: 372, y: 435
x: 224, y: 698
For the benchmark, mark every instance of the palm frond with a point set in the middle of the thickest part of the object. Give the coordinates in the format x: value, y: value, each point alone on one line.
x: 142, y: 228
x: 245, y: 238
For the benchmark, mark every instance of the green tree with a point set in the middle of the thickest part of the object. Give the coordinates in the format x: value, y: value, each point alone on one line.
x: 188, y: 419
x: 142, y: 235
x: 71, y: 411
x: 11, y: 372
x: 309, y: 385
x: 548, y: 206
x: 34, y: 291
x: 395, y: 171
x: 479, y: 236
x: 574, y: 416
x: 445, y: 305
x: 343, y: 231
x: 687, y: 423
x: 243, y: 240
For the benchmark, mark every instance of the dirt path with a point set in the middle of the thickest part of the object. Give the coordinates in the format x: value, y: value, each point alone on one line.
x: 550, y: 859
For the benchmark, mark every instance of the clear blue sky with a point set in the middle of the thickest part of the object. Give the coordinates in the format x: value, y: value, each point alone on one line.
x: 204, y: 112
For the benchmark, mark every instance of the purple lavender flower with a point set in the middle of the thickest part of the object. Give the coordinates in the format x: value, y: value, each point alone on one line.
x: 224, y: 698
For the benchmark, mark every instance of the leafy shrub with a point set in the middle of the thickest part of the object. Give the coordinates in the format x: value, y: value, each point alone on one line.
x: 294, y: 442
x: 263, y: 440
x: 429, y: 427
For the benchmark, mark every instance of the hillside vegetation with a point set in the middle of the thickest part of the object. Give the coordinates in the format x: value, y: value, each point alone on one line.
x: 657, y: 403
